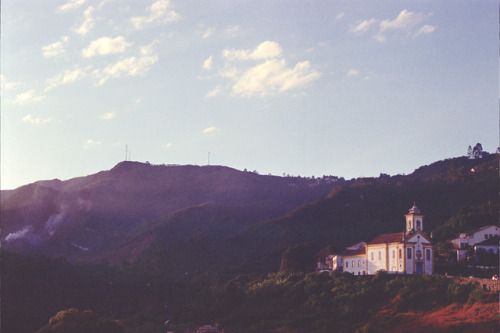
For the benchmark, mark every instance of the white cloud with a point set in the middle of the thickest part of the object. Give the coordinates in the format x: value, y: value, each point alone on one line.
x: 69, y: 76
x: 131, y: 66
x: 87, y: 24
x: 108, y: 115
x: 405, y: 20
x: 209, y: 32
x: 10, y: 85
x: 425, y: 29
x: 106, y: 45
x: 70, y: 5
x: 89, y: 143
x: 159, y: 12
x: 265, y: 50
x: 214, y: 92
x: 363, y: 26
x: 234, y: 31
x: 148, y: 49
x: 168, y: 146
x: 56, y: 49
x: 29, y: 119
x: 27, y: 97
x: 353, y: 73
x: 208, y: 63
x: 272, y: 77
x: 211, y: 131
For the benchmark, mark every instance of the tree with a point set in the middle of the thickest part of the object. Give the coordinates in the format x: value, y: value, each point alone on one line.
x: 469, y: 152
x: 477, y: 152
x: 298, y: 258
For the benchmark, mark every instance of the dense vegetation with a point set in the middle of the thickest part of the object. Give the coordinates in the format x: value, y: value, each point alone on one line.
x: 126, y: 300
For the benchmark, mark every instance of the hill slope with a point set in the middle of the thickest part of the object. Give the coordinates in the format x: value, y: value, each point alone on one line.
x: 81, y: 216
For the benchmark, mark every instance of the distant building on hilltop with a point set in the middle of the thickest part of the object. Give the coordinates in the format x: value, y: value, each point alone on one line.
x: 409, y: 252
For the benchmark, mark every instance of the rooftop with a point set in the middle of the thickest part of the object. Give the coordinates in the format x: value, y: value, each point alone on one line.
x: 388, y: 238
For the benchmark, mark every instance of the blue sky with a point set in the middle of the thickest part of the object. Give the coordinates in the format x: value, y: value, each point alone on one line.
x: 345, y: 88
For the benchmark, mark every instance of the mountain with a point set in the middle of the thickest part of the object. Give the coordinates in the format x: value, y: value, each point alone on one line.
x: 87, y: 216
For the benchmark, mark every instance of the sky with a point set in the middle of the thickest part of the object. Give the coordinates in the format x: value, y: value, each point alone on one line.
x: 345, y: 88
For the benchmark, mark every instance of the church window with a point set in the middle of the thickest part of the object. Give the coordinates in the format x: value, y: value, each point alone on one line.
x: 409, y: 253
x: 400, y: 254
x: 418, y: 225
x: 428, y: 254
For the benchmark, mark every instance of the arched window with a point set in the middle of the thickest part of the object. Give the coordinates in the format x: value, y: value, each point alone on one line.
x: 418, y: 225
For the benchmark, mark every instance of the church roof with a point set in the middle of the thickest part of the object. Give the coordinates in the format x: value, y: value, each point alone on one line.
x: 414, y: 210
x: 388, y: 238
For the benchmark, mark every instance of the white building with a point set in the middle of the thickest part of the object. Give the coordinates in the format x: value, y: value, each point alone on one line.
x: 409, y: 252
x: 473, y: 237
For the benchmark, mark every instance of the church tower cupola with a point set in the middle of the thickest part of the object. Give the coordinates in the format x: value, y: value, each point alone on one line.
x: 414, y: 221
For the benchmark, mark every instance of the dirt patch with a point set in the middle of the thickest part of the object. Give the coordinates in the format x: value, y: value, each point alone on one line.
x: 453, y: 318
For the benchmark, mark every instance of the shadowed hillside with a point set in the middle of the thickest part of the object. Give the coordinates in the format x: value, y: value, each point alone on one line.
x: 81, y: 216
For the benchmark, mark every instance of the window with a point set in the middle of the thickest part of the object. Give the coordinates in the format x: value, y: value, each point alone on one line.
x: 400, y: 254
x: 359, y: 263
x: 485, y: 236
x: 346, y: 264
x: 371, y: 255
x: 408, y: 253
x: 393, y: 254
x: 418, y: 225
x: 428, y: 254
x: 379, y: 255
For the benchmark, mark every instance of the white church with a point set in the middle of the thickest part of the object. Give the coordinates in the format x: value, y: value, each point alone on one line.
x: 409, y: 252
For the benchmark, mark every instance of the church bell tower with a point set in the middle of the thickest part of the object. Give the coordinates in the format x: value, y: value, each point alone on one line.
x: 414, y: 221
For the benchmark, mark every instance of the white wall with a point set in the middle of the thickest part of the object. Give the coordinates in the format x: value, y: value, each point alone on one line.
x: 355, y: 265
x: 376, y: 257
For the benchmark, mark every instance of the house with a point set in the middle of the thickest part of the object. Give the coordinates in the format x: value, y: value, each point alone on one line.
x: 354, y: 261
x: 408, y: 252
x: 487, y: 251
x: 471, y: 238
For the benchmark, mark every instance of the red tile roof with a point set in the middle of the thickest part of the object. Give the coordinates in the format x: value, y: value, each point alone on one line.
x: 388, y: 238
